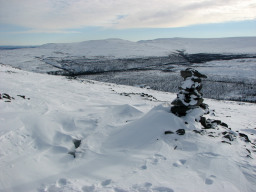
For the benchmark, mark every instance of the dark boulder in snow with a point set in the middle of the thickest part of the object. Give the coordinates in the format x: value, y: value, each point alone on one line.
x: 168, y: 132
x: 245, y: 137
x: 180, y: 131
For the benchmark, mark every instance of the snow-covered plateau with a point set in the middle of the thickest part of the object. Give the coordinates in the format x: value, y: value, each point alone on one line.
x: 59, y: 134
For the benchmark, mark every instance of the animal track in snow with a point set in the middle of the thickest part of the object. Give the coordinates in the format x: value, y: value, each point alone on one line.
x: 156, y: 159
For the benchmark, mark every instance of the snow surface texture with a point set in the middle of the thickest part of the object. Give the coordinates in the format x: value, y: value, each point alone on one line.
x: 123, y: 145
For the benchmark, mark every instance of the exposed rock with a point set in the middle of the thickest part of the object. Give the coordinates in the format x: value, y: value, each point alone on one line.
x: 179, y: 110
x: 180, y: 131
x: 245, y: 137
x: 22, y: 96
x: 77, y: 143
x: 226, y: 142
x: 189, y: 72
x: 218, y: 122
x: 201, y: 132
x: 224, y: 124
x: 73, y: 153
x: 206, y: 123
x: 168, y: 132
x: 230, y: 136
x: 6, y: 96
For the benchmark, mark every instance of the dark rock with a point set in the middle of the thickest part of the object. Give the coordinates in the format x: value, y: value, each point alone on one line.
x: 22, y: 96
x: 180, y: 131
x: 189, y: 72
x: 179, y: 110
x: 205, y: 123
x: 224, y: 133
x: 229, y: 136
x: 6, y: 96
x: 73, y: 153
x: 168, y: 132
x: 224, y: 124
x: 226, y: 142
x: 77, y: 143
x: 199, y: 132
x: 248, y: 151
x: 245, y: 137
x: 249, y: 156
x: 204, y: 106
x: 211, y: 136
x: 218, y: 122
x: 178, y: 102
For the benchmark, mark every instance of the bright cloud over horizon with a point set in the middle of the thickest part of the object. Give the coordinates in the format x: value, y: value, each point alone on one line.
x: 70, y: 16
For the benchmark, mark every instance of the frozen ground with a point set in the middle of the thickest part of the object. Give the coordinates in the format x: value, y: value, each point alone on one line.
x: 60, y: 134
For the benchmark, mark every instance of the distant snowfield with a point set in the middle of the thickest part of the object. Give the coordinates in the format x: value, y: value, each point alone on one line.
x: 31, y: 58
x: 123, y: 145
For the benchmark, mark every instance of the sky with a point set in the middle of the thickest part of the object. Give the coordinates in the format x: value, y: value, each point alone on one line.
x: 36, y: 22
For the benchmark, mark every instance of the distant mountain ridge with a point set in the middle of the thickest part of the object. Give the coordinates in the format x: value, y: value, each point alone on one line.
x: 156, y: 47
x: 11, y: 47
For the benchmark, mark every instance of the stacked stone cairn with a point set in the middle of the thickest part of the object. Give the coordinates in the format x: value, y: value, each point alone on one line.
x: 189, y: 96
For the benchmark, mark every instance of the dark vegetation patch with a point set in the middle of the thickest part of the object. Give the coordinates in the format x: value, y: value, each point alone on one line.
x: 159, y: 73
x: 205, y: 57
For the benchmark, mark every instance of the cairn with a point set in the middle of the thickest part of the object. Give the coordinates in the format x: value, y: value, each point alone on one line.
x: 189, y: 96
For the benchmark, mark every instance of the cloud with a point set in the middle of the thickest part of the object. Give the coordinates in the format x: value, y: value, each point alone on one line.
x: 61, y: 15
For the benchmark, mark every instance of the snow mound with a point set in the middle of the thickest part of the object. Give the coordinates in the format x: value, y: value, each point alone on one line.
x: 125, y: 113
x: 146, y: 131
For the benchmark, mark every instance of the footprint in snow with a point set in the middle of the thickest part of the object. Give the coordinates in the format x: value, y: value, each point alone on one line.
x: 88, y: 188
x: 154, y: 160
x: 179, y: 163
x: 61, y: 182
x: 106, y: 182
x: 209, y: 181
x: 157, y: 158
x: 143, y: 167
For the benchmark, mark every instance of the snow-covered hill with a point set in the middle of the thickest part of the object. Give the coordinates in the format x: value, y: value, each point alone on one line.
x: 32, y: 58
x: 157, y: 47
x: 59, y: 134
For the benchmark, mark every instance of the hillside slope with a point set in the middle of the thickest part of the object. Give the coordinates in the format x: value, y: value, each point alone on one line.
x: 59, y: 134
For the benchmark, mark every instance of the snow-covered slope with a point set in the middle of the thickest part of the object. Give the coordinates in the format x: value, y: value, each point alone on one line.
x: 116, y: 134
